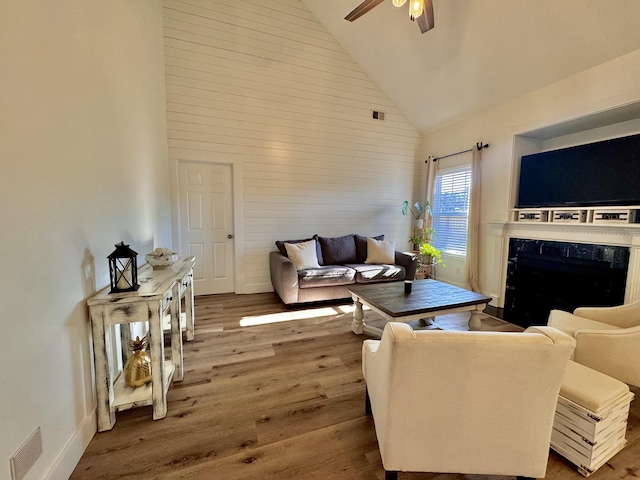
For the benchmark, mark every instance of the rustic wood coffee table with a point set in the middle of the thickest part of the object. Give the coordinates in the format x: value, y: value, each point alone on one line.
x: 428, y: 298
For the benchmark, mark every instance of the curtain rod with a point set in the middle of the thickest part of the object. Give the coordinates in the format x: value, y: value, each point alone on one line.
x: 480, y: 146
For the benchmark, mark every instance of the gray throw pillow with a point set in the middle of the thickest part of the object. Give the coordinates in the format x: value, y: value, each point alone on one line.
x: 338, y: 250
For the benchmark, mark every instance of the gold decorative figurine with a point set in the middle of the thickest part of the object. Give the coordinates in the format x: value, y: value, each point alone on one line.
x: 137, y: 370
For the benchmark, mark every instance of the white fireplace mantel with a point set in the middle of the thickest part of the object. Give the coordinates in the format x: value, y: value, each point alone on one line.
x: 618, y: 235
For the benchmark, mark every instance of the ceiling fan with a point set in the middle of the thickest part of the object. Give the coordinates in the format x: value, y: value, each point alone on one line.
x: 419, y: 10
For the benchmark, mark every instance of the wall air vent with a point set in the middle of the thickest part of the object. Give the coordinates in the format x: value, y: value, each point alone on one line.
x: 26, y: 456
x: 377, y: 115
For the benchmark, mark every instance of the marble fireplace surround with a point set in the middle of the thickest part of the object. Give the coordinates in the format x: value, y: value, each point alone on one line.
x: 626, y: 236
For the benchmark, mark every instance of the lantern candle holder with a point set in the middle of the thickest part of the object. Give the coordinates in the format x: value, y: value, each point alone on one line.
x: 123, y: 269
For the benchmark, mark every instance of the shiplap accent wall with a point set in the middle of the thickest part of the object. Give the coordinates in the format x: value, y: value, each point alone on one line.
x: 263, y: 86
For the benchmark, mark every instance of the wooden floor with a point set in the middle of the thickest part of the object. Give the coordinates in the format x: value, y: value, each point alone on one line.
x: 270, y: 393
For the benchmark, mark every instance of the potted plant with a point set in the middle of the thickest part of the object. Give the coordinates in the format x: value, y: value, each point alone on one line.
x: 430, y: 255
x: 416, y: 240
x: 418, y: 211
x: 421, y: 237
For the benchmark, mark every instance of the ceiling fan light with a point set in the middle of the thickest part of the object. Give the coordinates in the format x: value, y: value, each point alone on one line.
x: 398, y: 3
x: 416, y: 7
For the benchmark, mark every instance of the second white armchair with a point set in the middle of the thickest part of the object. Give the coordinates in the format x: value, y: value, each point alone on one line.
x: 607, y: 338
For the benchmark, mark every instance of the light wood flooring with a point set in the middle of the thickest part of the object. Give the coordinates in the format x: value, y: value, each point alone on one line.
x: 270, y: 393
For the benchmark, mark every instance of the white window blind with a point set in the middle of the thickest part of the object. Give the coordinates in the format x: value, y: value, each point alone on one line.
x: 451, y: 209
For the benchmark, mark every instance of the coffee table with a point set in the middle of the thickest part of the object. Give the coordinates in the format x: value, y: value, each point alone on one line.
x: 428, y: 298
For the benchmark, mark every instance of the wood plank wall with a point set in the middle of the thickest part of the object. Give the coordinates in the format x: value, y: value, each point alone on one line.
x: 263, y: 85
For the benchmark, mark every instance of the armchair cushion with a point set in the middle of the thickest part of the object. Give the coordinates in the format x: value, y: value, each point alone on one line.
x: 591, y: 389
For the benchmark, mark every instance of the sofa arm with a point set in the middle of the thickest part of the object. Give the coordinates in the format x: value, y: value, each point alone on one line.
x: 409, y: 261
x: 284, y: 277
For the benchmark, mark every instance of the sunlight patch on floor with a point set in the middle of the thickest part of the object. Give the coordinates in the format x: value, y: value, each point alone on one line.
x: 253, y: 320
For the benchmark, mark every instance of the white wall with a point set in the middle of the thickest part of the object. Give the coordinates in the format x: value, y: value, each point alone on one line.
x: 602, y: 88
x: 84, y: 165
x: 264, y: 87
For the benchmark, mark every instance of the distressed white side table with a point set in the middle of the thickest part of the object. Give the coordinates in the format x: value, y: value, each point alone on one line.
x: 160, y: 291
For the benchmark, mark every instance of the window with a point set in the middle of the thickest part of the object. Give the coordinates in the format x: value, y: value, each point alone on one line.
x: 451, y: 209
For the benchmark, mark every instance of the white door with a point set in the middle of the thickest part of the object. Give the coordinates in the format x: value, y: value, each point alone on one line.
x: 206, y: 225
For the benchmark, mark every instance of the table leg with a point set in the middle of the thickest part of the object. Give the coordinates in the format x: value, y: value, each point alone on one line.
x: 104, y: 382
x: 158, y: 374
x: 188, y: 304
x: 357, y: 326
x: 475, y: 320
x: 125, y: 341
x: 176, y: 334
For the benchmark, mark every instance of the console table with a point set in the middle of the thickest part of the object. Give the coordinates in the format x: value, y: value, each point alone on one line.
x: 159, y: 294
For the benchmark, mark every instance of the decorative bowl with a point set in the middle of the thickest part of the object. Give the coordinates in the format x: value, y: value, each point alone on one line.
x: 161, y: 261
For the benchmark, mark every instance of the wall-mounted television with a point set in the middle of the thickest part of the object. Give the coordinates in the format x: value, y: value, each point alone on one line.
x: 601, y: 173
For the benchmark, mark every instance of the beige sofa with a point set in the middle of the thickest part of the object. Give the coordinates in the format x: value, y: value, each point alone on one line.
x: 341, y: 262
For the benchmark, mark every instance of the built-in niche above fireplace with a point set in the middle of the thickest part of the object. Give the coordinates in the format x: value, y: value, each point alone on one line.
x: 602, y: 173
x: 544, y: 275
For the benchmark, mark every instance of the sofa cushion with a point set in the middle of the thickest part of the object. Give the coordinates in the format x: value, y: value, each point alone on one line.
x: 303, y: 254
x: 326, y: 276
x: 361, y: 246
x: 338, y: 250
x: 380, y: 252
x: 377, y: 273
x: 283, y: 250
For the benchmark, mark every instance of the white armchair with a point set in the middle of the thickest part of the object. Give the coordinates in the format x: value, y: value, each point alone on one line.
x: 464, y: 402
x: 607, y: 338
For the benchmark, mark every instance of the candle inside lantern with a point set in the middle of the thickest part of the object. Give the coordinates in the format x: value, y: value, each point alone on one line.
x: 124, y: 280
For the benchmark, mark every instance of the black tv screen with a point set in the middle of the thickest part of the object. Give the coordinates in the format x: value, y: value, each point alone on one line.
x: 602, y: 173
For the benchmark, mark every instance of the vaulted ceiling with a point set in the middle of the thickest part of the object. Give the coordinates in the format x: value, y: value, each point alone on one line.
x: 481, y: 53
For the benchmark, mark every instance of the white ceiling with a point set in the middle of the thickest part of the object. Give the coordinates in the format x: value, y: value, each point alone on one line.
x: 481, y: 53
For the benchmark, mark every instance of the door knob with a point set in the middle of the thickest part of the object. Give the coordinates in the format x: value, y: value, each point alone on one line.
x: 229, y: 236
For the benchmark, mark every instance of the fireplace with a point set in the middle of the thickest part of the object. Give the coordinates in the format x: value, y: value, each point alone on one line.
x: 545, y: 275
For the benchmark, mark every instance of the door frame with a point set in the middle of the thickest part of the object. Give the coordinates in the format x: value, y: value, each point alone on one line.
x: 238, y: 212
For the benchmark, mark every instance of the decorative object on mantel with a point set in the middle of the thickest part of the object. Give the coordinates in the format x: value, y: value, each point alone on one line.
x: 161, y: 258
x: 137, y: 370
x: 123, y: 269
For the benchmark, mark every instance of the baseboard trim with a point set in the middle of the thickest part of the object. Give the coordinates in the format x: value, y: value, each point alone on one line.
x: 258, y: 288
x: 66, y: 461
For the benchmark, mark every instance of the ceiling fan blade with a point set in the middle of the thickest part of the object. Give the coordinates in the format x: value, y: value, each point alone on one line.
x: 426, y: 21
x: 363, y: 8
